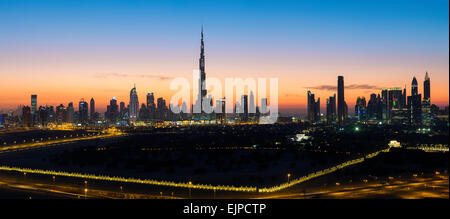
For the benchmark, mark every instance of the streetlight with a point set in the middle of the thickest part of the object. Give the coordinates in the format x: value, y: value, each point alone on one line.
x: 190, y: 183
x: 85, y: 193
x: 288, y: 176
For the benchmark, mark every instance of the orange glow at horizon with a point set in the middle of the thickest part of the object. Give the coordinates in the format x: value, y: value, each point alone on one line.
x: 60, y: 81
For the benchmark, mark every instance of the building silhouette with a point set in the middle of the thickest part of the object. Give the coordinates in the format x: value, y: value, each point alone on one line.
x: 313, y: 108
x: 112, y: 110
x: 414, y: 104
x: 60, y: 114
x: 263, y: 109
x: 70, y: 113
x: 134, y: 104
x: 426, y: 105
x: 83, y: 109
x: 26, y: 116
x: 426, y: 87
x: 361, y: 109
x: 33, y: 107
x: 92, y: 110
x: 202, y: 79
x: 252, y: 105
x: 244, y: 106
x: 331, y: 109
x: 341, y: 101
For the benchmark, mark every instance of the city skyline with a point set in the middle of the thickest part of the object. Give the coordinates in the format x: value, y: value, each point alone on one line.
x: 224, y: 100
x: 75, y: 66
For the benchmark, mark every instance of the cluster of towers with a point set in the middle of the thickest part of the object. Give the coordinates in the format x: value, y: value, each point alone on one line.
x: 395, y: 107
x: 392, y: 106
x: 149, y: 111
x: 121, y: 113
x: 337, y: 110
x: 44, y: 115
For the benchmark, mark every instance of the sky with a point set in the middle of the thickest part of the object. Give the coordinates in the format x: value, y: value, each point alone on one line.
x: 67, y: 50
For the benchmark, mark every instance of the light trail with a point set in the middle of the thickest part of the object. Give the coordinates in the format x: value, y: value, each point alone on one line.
x: 19, y: 147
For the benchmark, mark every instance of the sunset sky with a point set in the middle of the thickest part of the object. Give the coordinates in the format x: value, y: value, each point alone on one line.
x: 67, y: 50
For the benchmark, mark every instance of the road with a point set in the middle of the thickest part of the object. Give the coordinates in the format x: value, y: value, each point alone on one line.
x: 16, y: 187
x: 410, y: 188
x: 414, y: 187
x: 37, y: 144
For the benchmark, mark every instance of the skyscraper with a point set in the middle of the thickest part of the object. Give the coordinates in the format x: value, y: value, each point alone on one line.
x: 221, y: 116
x: 162, y: 110
x: 92, y: 110
x: 360, y: 109
x: 426, y: 87
x: 310, y: 107
x: 33, y: 108
x: 263, y: 108
x: 331, y: 109
x: 372, y: 108
x: 122, y: 110
x: 151, y: 107
x: 134, y: 104
x: 150, y: 100
x: 313, y: 108
x: 60, y: 112
x: 244, y: 105
x: 414, y: 87
x: 394, y: 100
x: 384, y: 104
x: 26, y: 116
x: 252, y: 107
x: 70, y: 112
x: 341, y: 100
x: 33, y: 104
x: 112, y: 110
x: 317, y: 110
x: 404, y: 97
x: 83, y: 111
x: 426, y: 105
x: 201, y: 82
x: 414, y: 104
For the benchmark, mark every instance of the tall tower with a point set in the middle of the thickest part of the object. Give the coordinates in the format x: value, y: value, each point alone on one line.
x: 426, y: 87
x: 134, y: 103
x: 414, y: 104
x: 341, y: 100
x: 83, y: 111
x: 244, y: 106
x: 311, y: 106
x: 150, y: 100
x: 201, y: 82
x: 92, y: 109
x: 33, y: 108
x: 414, y: 87
x: 331, y: 109
x: 33, y: 104
x: 404, y: 97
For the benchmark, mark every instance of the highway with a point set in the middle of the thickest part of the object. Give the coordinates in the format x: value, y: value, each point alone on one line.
x: 403, y: 188
x: 413, y: 187
x: 56, y: 141
x: 31, y: 188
